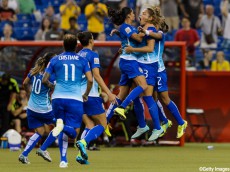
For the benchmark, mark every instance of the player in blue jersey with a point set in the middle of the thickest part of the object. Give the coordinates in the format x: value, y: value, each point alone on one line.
x: 148, y: 61
x: 128, y: 64
x: 162, y: 87
x: 93, y: 107
x: 67, y: 100
x: 39, y: 111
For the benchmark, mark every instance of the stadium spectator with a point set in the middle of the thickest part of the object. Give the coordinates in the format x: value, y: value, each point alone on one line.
x: 220, y: 64
x: 142, y: 4
x: 18, y: 111
x: 50, y: 14
x: 6, y: 13
x: 26, y: 6
x: 8, y: 90
x: 73, y: 27
x: 55, y: 33
x: 226, y: 16
x: 171, y: 16
x: 13, y: 4
x: 95, y: 13
x: 45, y: 27
x: 7, y: 33
x: 210, y: 26
x: 192, y: 9
x: 205, y: 63
x: 190, y: 36
x: 67, y: 10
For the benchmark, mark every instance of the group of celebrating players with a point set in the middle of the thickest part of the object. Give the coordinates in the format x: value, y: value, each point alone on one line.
x: 75, y: 79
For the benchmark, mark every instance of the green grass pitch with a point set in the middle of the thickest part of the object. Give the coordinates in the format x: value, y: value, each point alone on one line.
x: 127, y: 159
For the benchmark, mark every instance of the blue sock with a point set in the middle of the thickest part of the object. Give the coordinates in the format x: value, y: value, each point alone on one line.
x: 161, y: 113
x: 32, y: 142
x: 84, y: 133
x: 175, y: 112
x: 139, y: 111
x: 94, y: 133
x: 70, y: 131
x: 153, y: 110
x: 63, y: 145
x: 132, y: 95
x: 110, y: 111
x: 49, y: 140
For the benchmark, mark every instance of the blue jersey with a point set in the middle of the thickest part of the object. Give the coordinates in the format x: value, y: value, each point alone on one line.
x: 68, y: 69
x: 39, y: 100
x: 159, y: 48
x: 151, y: 57
x: 126, y: 32
x: 94, y: 62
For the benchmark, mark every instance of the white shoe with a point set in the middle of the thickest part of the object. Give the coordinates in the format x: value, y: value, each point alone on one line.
x: 63, y: 164
x: 59, y: 127
x: 140, y: 131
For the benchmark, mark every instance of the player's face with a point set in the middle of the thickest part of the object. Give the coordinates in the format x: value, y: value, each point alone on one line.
x: 132, y: 15
x: 144, y: 17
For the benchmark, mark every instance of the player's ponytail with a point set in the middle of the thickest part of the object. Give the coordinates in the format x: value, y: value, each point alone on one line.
x: 163, y: 25
x: 41, y: 63
x: 118, y: 17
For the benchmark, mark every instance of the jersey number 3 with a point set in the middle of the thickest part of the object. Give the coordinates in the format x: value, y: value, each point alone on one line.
x: 67, y: 72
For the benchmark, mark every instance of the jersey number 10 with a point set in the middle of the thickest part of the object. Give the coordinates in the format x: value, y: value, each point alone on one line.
x: 37, y: 84
x: 67, y: 72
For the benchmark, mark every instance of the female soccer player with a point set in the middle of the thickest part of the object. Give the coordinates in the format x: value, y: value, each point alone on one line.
x: 39, y: 111
x: 93, y: 107
x: 148, y: 61
x: 162, y: 87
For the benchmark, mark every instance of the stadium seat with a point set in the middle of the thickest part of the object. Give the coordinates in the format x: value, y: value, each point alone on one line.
x: 26, y: 17
x: 23, y: 23
x: 23, y: 34
x: 200, y: 116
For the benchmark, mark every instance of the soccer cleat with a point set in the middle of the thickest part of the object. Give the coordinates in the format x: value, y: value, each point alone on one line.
x: 82, y: 161
x: 155, y: 134
x: 165, y: 127
x: 81, y: 144
x: 63, y: 164
x: 181, y: 129
x: 107, y: 132
x: 23, y: 159
x: 59, y: 127
x: 120, y: 112
x: 44, y: 154
x: 140, y: 131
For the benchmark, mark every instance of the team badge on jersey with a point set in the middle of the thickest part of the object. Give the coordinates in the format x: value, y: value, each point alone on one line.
x: 96, y: 60
x: 127, y: 30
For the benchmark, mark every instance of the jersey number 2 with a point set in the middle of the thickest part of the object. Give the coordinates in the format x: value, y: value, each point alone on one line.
x: 67, y: 72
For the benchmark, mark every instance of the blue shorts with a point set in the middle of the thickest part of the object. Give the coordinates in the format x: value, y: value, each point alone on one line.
x: 36, y: 119
x: 129, y: 70
x: 69, y: 110
x: 162, y: 82
x: 94, y: 106
x: 150, y: 72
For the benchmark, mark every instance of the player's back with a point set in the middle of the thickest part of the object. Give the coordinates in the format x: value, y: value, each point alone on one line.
x: 68, y: 69
x: 39, y: 98
x: 93, y: 59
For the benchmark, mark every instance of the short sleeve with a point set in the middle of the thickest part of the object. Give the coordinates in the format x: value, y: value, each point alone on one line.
x: 94, y: 62
x: 127, y: 30
x: 88, y: 10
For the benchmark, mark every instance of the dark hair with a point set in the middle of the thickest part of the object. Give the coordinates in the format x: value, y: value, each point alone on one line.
x: 163, y: 25
x: 6, y: 77
x: 84, y: 37
x: 70, y: 42
x: 42, y: 25
x: 72, y: 19
x: 118, y: 17
x: 41, y: 63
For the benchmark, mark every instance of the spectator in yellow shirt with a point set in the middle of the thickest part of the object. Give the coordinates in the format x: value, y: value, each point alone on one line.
x: 68, y: 10
x: 95, y: 13
x: 220, y: 64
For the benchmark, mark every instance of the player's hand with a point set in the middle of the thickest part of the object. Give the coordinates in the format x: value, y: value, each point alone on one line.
x: 85, y: 97
x: 128, y: 49
x: 114, y: 31
x: 141, y: 29
x: 112, y: 98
